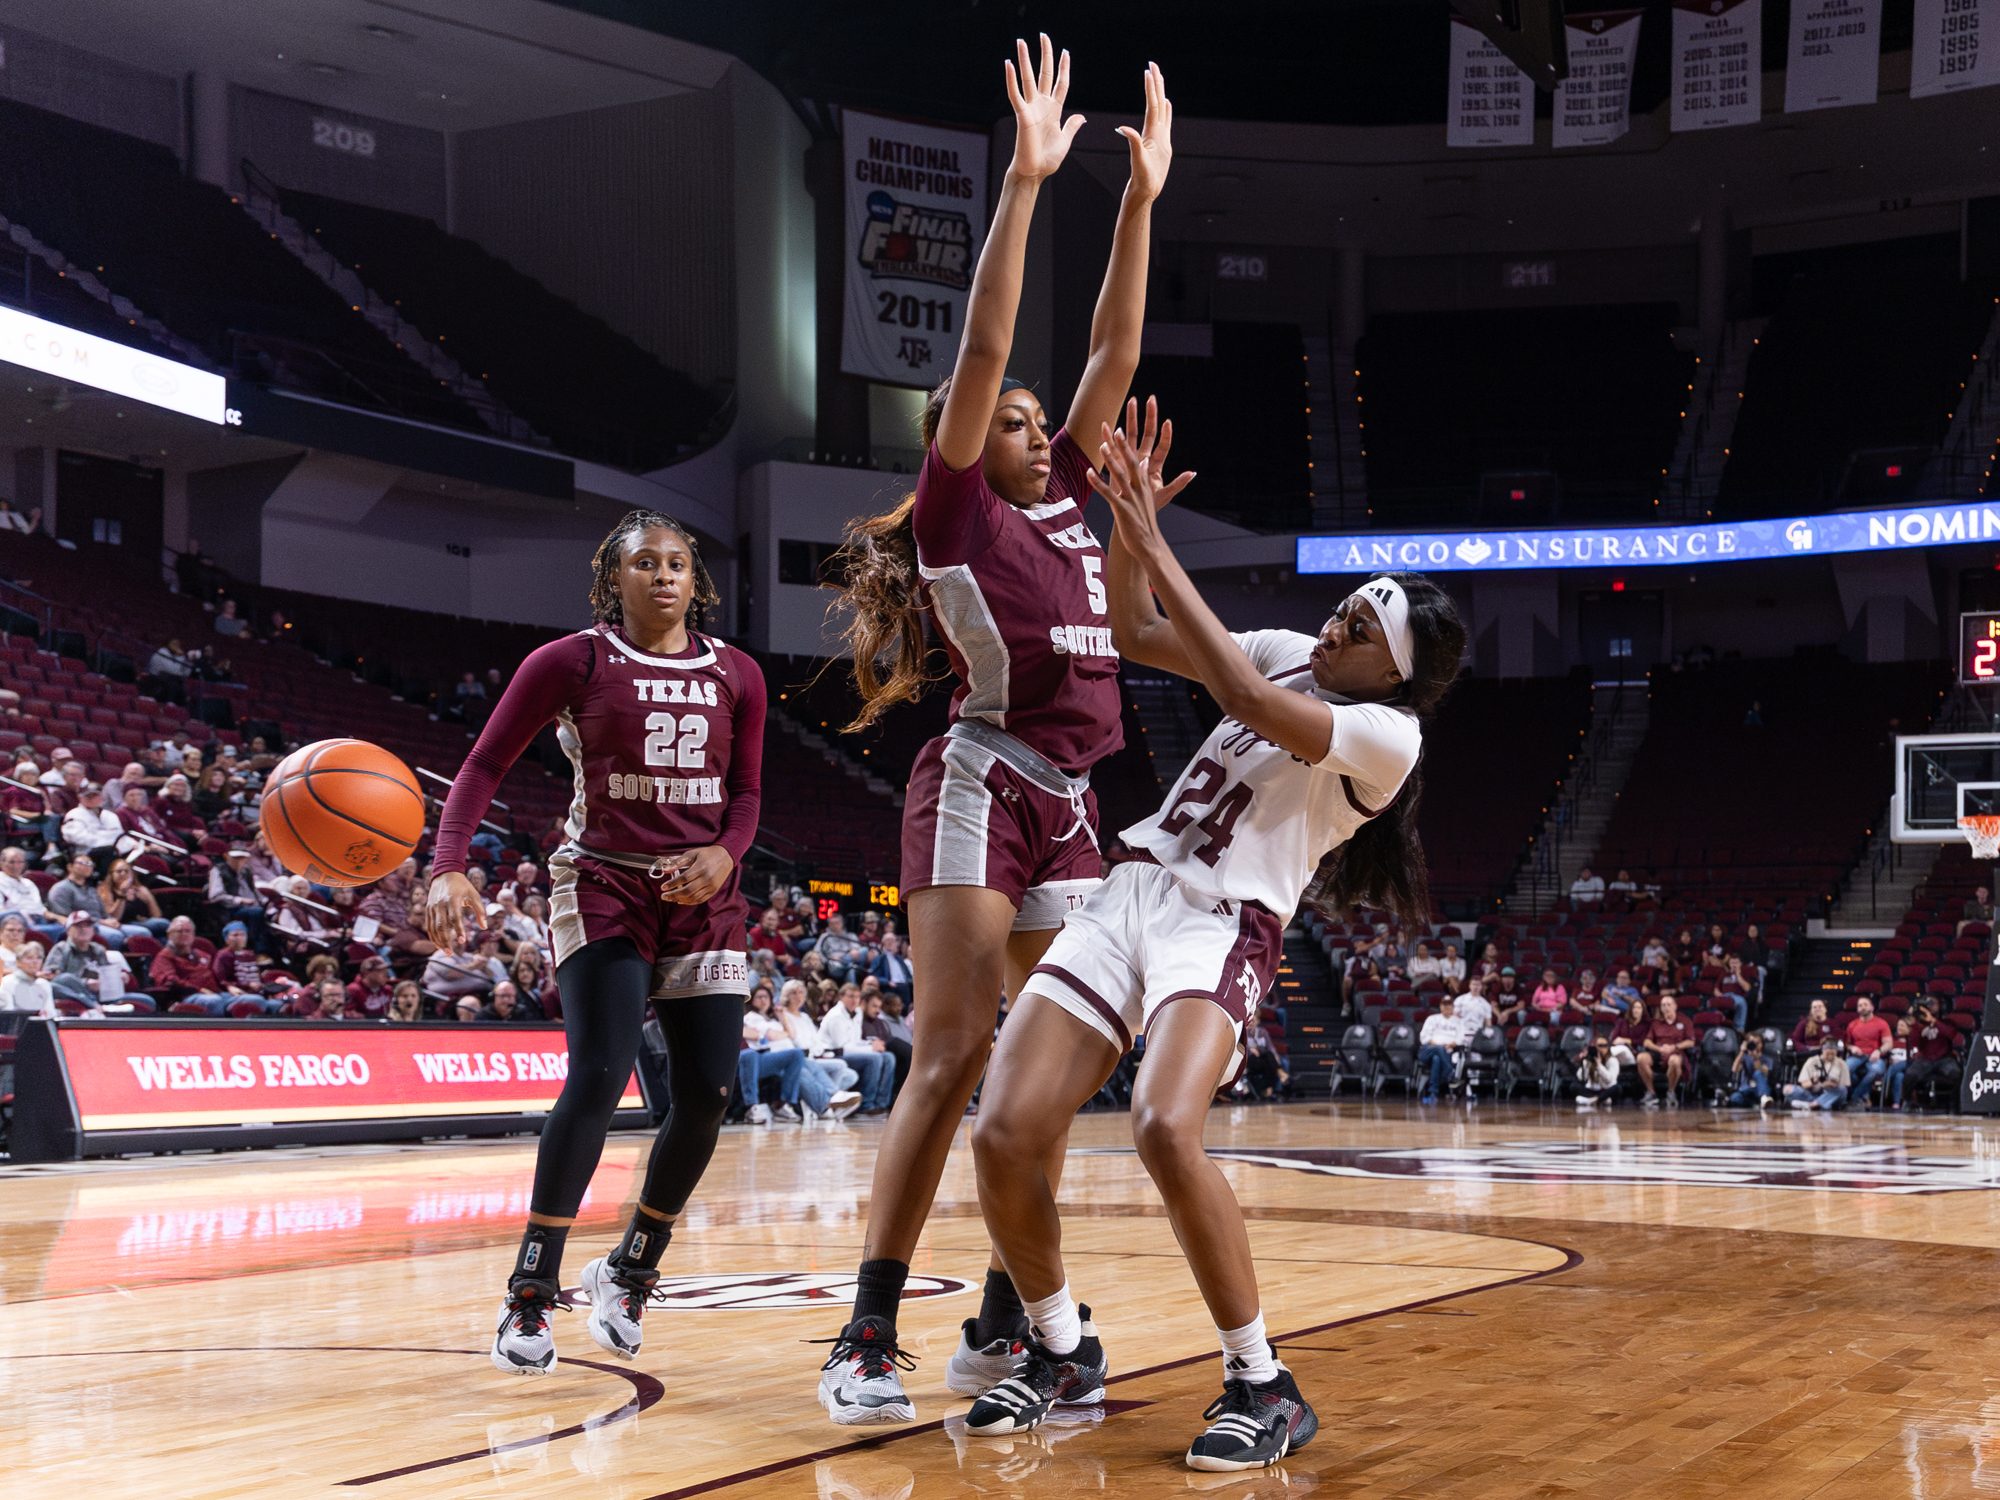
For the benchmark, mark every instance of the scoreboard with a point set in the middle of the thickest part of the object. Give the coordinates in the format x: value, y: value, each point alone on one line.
x: 1979, y: 648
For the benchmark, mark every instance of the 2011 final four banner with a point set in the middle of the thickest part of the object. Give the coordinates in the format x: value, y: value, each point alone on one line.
x: 916, y: 215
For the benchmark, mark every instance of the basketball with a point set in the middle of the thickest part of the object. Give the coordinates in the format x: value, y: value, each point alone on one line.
x: 342, y: 812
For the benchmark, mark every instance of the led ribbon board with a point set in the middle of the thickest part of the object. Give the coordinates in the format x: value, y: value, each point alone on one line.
x: 85, y: 359
x: 1642, y: 546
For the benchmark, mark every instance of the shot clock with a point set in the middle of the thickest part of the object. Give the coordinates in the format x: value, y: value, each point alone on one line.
x: 1979, y: 649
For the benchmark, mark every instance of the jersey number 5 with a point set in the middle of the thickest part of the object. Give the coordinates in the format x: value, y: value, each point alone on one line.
x: 1220, y: 824
x: 1093, y: 581
x: 660, y: 750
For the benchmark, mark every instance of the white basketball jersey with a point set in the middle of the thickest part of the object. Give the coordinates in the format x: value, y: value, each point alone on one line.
x: 1250, y: 821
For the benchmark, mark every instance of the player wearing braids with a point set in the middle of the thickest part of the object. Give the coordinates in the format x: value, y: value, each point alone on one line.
x: 664, y: 728
x: 999, y: 827
x: 1318, y: 752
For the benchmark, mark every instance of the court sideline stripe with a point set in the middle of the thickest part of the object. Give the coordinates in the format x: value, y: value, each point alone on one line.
x: 1571, y: 1260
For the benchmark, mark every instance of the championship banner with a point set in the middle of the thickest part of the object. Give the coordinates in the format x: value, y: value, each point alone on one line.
x: 93, y: 1077
x: 1955, y: 46
x: 1718, y: 63
x: 1492, y: 102
x: 1834, y: 57
x: 1594, y: 104
x: 916, y: 216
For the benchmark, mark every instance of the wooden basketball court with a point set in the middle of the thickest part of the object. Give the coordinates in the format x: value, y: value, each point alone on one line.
x: 1504, y: 1302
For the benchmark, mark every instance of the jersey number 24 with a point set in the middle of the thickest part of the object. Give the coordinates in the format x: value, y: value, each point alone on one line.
x: 660, y: 747
x: 1207, y: 780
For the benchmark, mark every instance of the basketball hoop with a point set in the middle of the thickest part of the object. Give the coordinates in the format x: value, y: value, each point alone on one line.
x: 1982, y: 831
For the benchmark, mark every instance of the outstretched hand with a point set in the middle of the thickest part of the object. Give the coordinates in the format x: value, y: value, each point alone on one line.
x: 1153, y: 146
x: 1041, y: 135
x: 1133, y: 475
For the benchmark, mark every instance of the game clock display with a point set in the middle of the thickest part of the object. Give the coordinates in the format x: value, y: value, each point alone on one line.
x: 1979, y: 648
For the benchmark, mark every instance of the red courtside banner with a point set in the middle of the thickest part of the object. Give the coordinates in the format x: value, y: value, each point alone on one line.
x: 152, y: 1077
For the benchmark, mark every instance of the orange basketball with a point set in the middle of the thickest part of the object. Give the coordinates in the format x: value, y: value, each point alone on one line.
x: 342, y: 812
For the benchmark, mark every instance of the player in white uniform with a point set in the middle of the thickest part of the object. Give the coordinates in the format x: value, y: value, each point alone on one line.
x: 1310, y: 781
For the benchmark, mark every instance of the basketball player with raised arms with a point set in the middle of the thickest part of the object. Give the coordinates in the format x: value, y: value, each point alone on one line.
x: 1308, y: 784
x: 664, y: 728
x: 999, y: 824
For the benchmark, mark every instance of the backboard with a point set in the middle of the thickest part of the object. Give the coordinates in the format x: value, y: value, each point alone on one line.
x: 1941, y: 778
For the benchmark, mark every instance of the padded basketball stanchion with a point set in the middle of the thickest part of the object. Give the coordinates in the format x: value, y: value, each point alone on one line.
x: 1979, y: 1088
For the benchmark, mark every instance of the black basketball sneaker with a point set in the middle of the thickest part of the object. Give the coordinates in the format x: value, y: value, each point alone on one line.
x: 1253, y: 1426
x: 1022, y: 1401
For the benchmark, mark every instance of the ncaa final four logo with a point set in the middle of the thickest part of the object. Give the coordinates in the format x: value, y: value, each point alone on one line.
x: 912, y: 243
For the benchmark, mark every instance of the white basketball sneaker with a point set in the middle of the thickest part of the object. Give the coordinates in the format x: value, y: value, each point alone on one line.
x: 859, y: 1385
x: 524, y: 1344
x: 842, y: 1104
x: 617, y: 1303
x: 974, y: 1371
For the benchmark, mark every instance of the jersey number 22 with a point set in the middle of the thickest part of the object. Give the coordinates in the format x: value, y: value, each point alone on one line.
x: 660, y: 748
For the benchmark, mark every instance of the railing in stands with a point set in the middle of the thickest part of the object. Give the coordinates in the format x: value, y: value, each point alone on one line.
x: 1539, y: 875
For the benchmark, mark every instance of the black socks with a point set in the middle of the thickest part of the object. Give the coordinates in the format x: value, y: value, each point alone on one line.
x: 1001, y: 1315
x: 540, y: 1255
x: 878, y: 1289
x: 645, y: 1241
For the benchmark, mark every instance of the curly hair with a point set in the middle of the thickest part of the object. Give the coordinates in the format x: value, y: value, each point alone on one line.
x: 607, y: 606
x: 878, y: 560
x: 1383, y: 864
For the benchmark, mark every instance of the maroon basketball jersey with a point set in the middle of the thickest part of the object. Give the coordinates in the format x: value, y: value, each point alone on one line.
x: 1018, y: 598
x: 666, y: 752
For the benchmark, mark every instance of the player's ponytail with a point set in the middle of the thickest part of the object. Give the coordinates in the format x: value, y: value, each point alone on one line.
x: 885, y: 634
x: 1383, y: 865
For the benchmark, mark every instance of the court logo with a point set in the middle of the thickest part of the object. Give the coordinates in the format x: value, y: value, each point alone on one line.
x: 914, y: 243
x: 768, y: 1291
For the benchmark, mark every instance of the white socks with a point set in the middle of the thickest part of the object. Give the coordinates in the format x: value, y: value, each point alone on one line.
x: 1246, y: 1353
x: 1055, y: 1322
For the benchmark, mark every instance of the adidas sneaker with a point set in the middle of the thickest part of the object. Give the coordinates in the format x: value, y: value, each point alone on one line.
x: 1253, y: 1426
x: 1022, y: 1401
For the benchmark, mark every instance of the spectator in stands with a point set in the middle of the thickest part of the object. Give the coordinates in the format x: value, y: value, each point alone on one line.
x: 877, y: 1027
x: 868, y: 1057
x: 845, y: 956
x: 61, y: 796
x: 128, y: 905
x: 21, y: 798
x: 1628, y: 1036
x: 1451, y: 968
x: 1624, y: 886
x: 137, y: 817
x: 181, y: 971
x: 1930, y: 1046
x: 175, y: 808
x: 1617, y: 997
x: 1751, y: 1074
x: 216, y: 797
x: 1510, y: 1002
x: 408, y: 1002
x: 1737, y: 989
x: 768, y: 1053
x: 527, y: 881
x: 13, y: 938
x: 77, y: 966
x: 371, y: 987
x: 1978, y: 908
x: 90, y: 825
x: 389, y: 904
x: 154, y: 762
x: 236, y: 969
x: 1361, y: 974
x: 266, y: 869
x: 531, y: 978
x: 1823, y: 1082
x: 77, y: 891
x: 1686, y: 954
x: 1550, y: 997
x: 133, y: 774
x: 1813, y: 1028
x: 505, y: 1005
x: 1490, y: 963
x: 1438, y: 1045
x: 303, y: 928
x: 765, y: 938
x: 1668, y: 1048
x: 1869, y: 1040
x: 172, y: 665
x: 1596, y: 1073
x: 1755, y: 952
x: 1263, y: 1069
x: 1422, y: 965
x: 892, y: 970
x: 232, y: 895
x: 1582, y: 1007
x: 1472, y: 1007
x: 791, y: 922
x: 228, y: 622
x: 332, y: 1001
x: 1389, y: 954
x: 22, y: 895
x: 13, y: 520
x: 26, y: 987
x: 1587, y: 889
x: 804, y: 1033
x: 474, y: 970
x: 1655, y: 956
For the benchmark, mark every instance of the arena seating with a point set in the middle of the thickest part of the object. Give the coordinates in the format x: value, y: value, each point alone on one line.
x: 1934, y: 953
x: 1866, y: 348
x: 185, y: 253
x: 1592, y: 393
x: 593, y: 391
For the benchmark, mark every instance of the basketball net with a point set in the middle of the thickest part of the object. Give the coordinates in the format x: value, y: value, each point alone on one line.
x: 1982, y: 831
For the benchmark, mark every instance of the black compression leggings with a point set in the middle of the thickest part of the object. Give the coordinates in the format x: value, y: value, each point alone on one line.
x: 603, y: 987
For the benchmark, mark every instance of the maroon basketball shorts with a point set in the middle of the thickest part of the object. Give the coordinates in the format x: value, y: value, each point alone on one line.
x: 694, y: 950
x: 970, y: 818
x: 1144, y: 940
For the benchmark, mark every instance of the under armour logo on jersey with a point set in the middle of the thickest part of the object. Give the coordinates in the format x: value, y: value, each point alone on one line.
x: 674, y: 690
x: 616, y: 661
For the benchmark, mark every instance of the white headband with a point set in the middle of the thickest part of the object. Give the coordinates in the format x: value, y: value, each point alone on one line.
x: 1392, y: 606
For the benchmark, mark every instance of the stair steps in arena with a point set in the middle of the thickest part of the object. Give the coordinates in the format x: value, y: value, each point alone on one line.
x: 1339, y: 478
x: 1881, y: 886
x: 1825, y: 970
x: 1695, y: 474
x: 1960, y: 466
x: 1570, y: 835
x: 1165, y: 706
